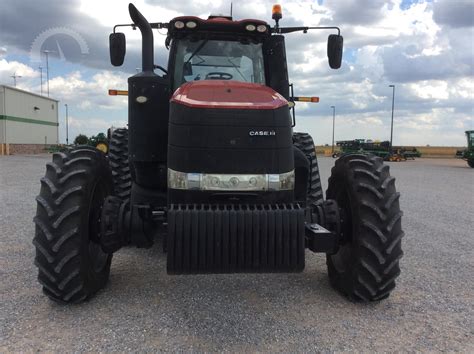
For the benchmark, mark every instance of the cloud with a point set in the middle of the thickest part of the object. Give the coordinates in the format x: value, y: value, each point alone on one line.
x: 357, y: 12
x: 457, y: 13
x: 9, y: 68
x: 399, y: 67
x: 91, y: 93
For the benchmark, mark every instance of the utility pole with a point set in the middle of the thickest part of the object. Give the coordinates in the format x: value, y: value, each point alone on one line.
x: 47, y: 68
x: 67, y: 125
x: 333, y: 126
x: 15, y: 76
x: 41, y: 78
x: 391, y: 127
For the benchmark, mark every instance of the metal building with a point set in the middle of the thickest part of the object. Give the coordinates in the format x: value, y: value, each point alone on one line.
x: 28, y: 122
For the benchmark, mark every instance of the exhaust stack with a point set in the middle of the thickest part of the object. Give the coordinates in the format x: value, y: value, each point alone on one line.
x: 147, y: 37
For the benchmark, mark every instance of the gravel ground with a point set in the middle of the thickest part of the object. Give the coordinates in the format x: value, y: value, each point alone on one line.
x: 143, y: 309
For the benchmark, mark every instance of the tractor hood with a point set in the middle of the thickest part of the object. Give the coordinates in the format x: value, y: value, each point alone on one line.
x: 227, y: 94
x: 225, y: 127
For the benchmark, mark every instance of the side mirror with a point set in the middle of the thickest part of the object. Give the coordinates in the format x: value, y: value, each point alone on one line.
x: 187, y: 69
x: 335, y: 44
x: 117, y: 48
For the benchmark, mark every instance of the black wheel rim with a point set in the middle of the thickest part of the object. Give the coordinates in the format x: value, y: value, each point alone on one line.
x: 97, y: 257
x: 342, y: 259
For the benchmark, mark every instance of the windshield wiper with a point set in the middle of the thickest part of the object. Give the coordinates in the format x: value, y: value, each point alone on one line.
x: 197, y: 50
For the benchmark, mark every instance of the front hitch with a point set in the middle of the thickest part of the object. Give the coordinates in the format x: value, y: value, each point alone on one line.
x: 323, y: 227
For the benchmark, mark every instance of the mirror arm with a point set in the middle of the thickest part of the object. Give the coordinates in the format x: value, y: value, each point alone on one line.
x: 282, y: 30
x: 157, y: 25
x: 125, y: 25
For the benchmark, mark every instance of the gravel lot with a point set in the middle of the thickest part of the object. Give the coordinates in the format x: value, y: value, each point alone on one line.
x: 143, y: 309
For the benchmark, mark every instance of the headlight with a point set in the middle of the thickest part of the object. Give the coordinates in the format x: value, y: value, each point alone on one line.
x: 191, y: 24
x: 230, y: 182
x: 284, y: 181
x: 179, y: 24
x: 261, y: 28
x: 250, y: 28
x: 233, y: 182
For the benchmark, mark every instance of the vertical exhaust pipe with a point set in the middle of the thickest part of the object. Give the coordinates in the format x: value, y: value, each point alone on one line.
x: 147, y: 123
x: 147, y: 38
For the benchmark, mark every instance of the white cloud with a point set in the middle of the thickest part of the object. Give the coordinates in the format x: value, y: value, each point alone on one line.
x: 434, y: 89
x: 8, y: 68
x: 91, y: 93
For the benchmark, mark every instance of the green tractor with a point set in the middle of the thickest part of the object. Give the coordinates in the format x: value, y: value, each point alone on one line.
x: 468, y: 154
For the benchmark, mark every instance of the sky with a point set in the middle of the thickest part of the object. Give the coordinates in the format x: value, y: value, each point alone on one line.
x: 424, y: 48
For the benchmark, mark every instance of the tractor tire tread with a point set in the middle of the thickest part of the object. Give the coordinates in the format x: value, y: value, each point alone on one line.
x: 57, y: 240
x: 119, y: 163
x: 305, y: 143
x: 377, y: 249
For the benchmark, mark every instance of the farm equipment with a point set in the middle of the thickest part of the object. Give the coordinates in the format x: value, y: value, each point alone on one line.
x: 468, y: 154
x: 408, y: 153
x: 210, y: 164
x: 380, y: 149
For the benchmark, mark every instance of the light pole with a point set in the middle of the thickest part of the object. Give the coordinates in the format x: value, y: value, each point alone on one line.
x: 41, y: 78
x: 47, y: 68
x: 391, y: 126
x: 15, y: 76
x: 67, y: 126
x: 333, y: 125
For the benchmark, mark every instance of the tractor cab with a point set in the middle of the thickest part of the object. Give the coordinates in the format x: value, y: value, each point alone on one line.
x: 216, y: 49
x: 220, y: 48
x: 470, y: 139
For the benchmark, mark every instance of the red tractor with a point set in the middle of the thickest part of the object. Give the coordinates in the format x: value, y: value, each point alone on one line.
x: 210, y: 164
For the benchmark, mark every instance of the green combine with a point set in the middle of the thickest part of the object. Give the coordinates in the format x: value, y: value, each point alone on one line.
x: 468, y: 154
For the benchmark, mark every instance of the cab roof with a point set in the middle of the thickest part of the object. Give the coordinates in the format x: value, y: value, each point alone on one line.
x: 187, y: 25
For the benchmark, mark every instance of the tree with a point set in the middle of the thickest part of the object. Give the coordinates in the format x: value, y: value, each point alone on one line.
x: 81, y: 139
x: 99, y: 138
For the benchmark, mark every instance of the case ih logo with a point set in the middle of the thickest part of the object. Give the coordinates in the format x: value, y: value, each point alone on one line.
x: 262, y: 133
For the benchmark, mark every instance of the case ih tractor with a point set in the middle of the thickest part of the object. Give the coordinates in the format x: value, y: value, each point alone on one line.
x: 210, y: 164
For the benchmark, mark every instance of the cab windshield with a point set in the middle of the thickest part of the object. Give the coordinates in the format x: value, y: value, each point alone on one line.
x: 470, y: 139
x: 209, y: 59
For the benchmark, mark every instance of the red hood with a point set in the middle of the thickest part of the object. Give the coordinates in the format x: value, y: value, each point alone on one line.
x: 228, y: 94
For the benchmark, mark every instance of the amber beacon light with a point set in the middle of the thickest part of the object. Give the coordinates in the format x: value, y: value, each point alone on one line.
x: 276, y: 12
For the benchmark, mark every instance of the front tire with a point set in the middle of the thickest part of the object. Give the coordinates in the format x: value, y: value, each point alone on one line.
x: 367, y: 263
x: 71, y: 264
